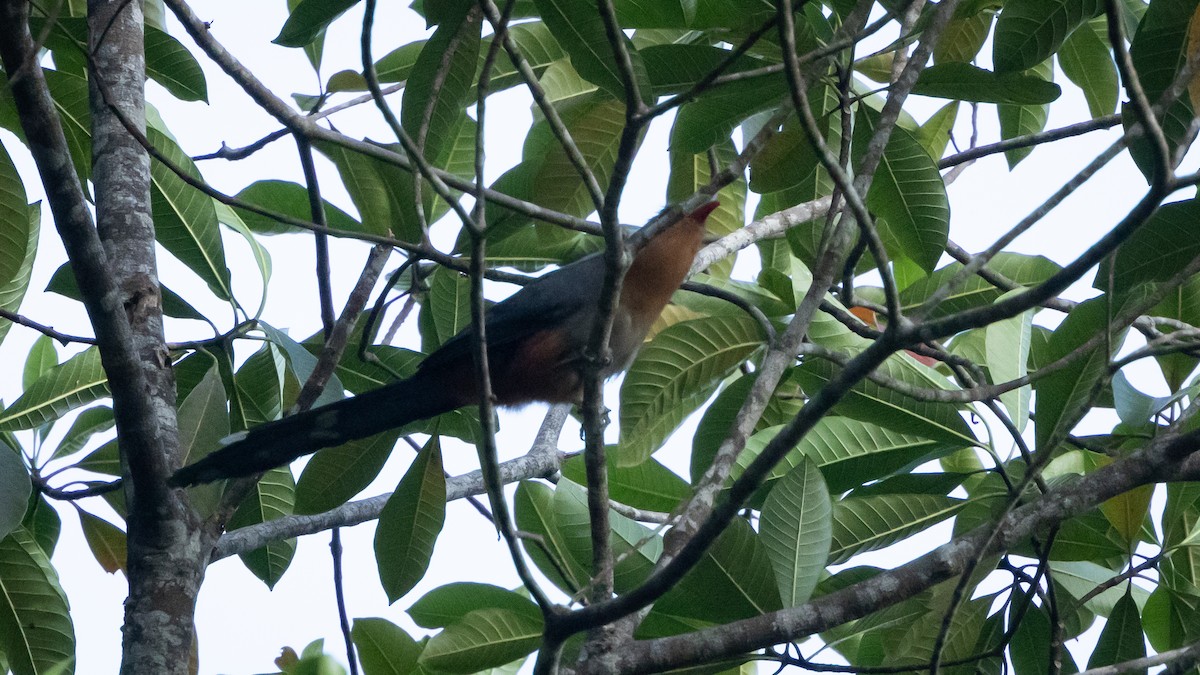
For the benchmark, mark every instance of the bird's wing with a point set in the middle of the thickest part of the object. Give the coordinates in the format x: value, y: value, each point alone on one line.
x: 564, y: 298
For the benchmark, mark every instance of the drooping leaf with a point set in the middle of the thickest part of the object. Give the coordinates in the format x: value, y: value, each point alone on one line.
x: 907, y: 195
x: 649, y: 485
x: 1086, y: 59
x: 36, y: 634
x: 1029, y: 31
x: 185, y: 221
x: 1063, y: 395
x: 876, y: 404
x: 334, y: 475
x: 533, y: 507
x: 410, y: 523
x: 384, y: 647
x: 635, y: 547
x: 1122, y: 639
x: 1157, y: 250
x: 15, y: 488
x: 1007, y: 343
x: 1024, y: 120
x: 976, y: 291
x: 733, y: 581
x: 170, y: 64
x: 106, y: 540
x: 19, y: 227
x: 796, y: 529
x: 849, y: 452
x: 271, y: 498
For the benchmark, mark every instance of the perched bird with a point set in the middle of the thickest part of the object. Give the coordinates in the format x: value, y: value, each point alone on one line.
x: 535, y: 339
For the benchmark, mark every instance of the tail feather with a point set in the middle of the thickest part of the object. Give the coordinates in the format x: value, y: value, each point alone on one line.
x: 278, y: 443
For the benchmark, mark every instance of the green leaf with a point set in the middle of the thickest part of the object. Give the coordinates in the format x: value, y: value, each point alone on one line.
x: 1181, y: 303
x: 789, y: 159
x: 309, y: 20
x: 713, y: 115
x: 185, y: 222
x: 447, y: 307
x: 94, y: 420
x: 734, y: 580
x: 648, y: 485
x: 848, y: 452
x: 1007, y: 344
x: 719, y: 416
x: 107, y: 542
x: 203, y: 422
x: 1157, y: 250
x: 63, y: 283
x: 796, y: 529
x: 1159, y: 49
x: 484, y: 638
x: 384, y: 647
x: 381, y: 192
x: 42, y: 357
x: 636, y: 548
x: 1024, y: 120
x: 203, y: 418
x: 302, y: 363
x: 1122, y: 639
x: 1086, y: 59
x: 170, y: 64
x: 42, y: 523
x: 1030, y: 31
x: 335, y: 475
x: 259, y: 384
x: 1171, y: 619
x: 1079, y: 578
x: 439, y: 88
x: 963, y: 37
x: 965, y: 82
x: 15, y: 488
x: 410, y: 523
x: 290, y: 199
x: 1063, y: 396
x: 1026, y: 270
x: 36, y: 634
x: 533, y: 506
x: 1030, y: 651
x: 449, y: 604
x: 19, y: 227
x: 935, y: 133
x: 579, y: 30
x: 907, y: 195
x: 677, y: 372
x: 876, y: 404
x: 675, y: 67
x: 270, y: 499
x: 76, y: 382
x: 870, y: 523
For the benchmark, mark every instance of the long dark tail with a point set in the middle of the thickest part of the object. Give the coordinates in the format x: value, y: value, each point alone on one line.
x: 277, y: 443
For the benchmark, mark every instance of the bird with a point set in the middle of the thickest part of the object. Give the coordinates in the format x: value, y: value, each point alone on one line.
x: 536, y: 339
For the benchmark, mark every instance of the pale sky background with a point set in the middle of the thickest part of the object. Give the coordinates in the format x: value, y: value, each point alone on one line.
x: 241, y: 624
